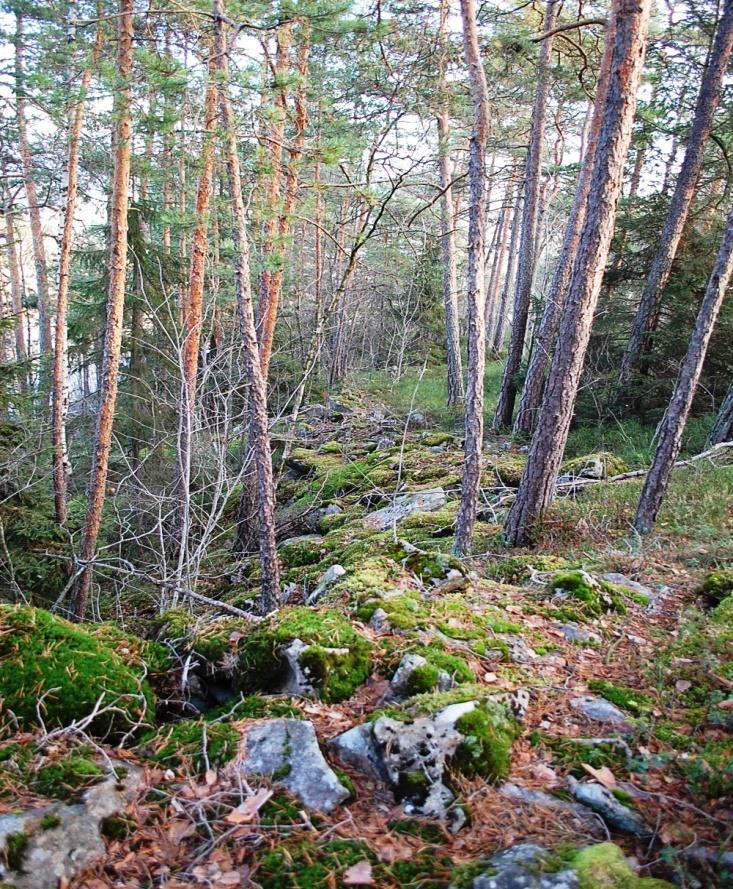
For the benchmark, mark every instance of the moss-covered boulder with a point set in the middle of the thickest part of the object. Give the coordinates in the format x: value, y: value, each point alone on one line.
x: 61, y: 670
x: 600, y: 465
x: 591, y: 596
x: 717, y: 585
x: 508, y: 469
x: 518, y: 569
x: 337, y: 658
x: 604, y: 867
x: 215, y: 642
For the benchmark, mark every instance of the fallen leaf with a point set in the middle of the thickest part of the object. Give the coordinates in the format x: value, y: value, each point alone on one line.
x: 179, y: 830
x: 211, y: 777
x: 603, y: 775
x: 683, y: 685
x: 247, y: 810
x: 490, y: 677
x: 360, y: 874
x: 726, y: 705
x: 232, y: 878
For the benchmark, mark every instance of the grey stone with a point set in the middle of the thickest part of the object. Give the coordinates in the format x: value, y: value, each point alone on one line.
x: 519, y: 651
x: 287, y: 751
x: 572, y: 633
x: 329, y: 578
x: 605, y: 804
x: 601, y: 710
x: 357, y: 748
x: 75, y: 843
x: 298, y: 679
x: 400, y: 682
x: 384, y: 443
x: 416, y: 420
x: 379, y: 622
x: 516, y: 868
x: 626, y: 582
x: 404, y: 506
x: 546, y: 801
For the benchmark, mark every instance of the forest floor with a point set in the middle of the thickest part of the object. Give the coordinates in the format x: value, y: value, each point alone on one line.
x: 651, y: 647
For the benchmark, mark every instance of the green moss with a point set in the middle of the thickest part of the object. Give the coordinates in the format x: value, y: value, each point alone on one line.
x: 435, y: 439
x: 50, y: 821
x: 519, y: 569
x: 571, y: 755
x: 117, y: 827
x: 627, y: 698
x: 135, y: 652
x: 331, y: 447
x: 487, y: 743
x: 68, y: 776
x: 427, y: 831
x: 709, y: 773
x: 336, y: 674
x: 254, y: 707
x: 594, y: 596
x: 16, y: 845
x: 610, y: 465
x: 452, y: 664
x: 42, y: 656
x: 508, y: 468
x: 604, y: 867
x: 717, y: 585
x: 301, y: 551
x: 423, y: 679
x: 193, y: 741
x: 722, y: 616
x: 304, y: 866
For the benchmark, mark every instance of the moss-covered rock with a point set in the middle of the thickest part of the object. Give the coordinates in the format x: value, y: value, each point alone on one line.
x: 486, y: 749
x: 338, y: 659
x: 604, y: 867
x: 193, y: 742
x: 518, y: 569
x: 299, y: 551
x: 436, y: 439
x: 592, y: 596
x: 717, y: 585
x: 508, y: 468
x: 63, y: 669
x: 215, y: 642
x: 626, y: 698
x: 599, y: 465
x: 66, y: 777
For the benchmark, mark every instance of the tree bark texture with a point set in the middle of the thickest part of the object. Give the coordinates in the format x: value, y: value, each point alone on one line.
x: 115, y: 308
x: 497, y: 333
x: 16, y: 287
x: 537, y: 486
x: 723, y: 426
x: 669, y: 433
x: 258, y: 419
x: 474, y: 412
x: 527, y: 243
x: 661, y: 266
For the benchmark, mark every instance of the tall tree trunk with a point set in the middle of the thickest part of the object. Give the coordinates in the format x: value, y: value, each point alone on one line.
x: 456, y: 390
x: 501, y: 321
x: 537, y: 486
x: 669, y: 433
x: 474, y: 414
x: 723, y: 426
x: 270, y: 283
x: 16, y: 287
x: 497, y: 265
x: 527, y: 256
x: 534, y: 382
x: 115, y: 310
x: 193, y: 316
x: 60, y: 384
x: 259, y: 426
x: 34, y: 210
x: 659, y: 271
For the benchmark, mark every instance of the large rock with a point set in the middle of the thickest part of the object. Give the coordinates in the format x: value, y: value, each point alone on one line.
x: 520, y: 868
x: 300, y: 678
x: 404, y: 506
x: 601, y: 710
x: 43, y: 847
x: 287, y: 752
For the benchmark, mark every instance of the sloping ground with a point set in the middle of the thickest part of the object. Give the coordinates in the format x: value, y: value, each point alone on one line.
x: 567, y: 696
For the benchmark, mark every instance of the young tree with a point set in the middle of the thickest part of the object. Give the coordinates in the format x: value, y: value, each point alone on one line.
x: 115, y: 307
x: 669, y: 433
x: 60, y: 383
x: 258, y: 419
x: 544, y: 344
x: 16, y: 289
x: 661, y: 266
x: 31, y: 190
x: 723, y: 427
x: 474, y: 413
x: 537, y: 486
x: 456, y: 390
x: 500, y: 321
x: 528, y: 240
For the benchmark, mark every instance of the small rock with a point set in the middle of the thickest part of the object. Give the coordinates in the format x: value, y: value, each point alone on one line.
x: 298, y: 679
x: 379, y: 622
x: 435, y: 449
x: 287, y: 751
x: 357, y: 748
x: 314, y: 517
x: 400, y: 685
x: 517, y: 868
x: 519, y: 651
x: 328, y: 579
x: 416, y: 420
x: 626, y: 582
x: 605, y: 804
x: 601, y: 710
x: 547, y: 801
x: 404, y: 506
x: 574, y: 633
x: 384, y: 443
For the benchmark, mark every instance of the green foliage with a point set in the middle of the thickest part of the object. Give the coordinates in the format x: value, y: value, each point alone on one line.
x: 604, y: 867
x: 338, y: 658
x: 62, y: 669
x: 193, y: 741
x: 626, y: 698
x: 68, y: 776
x: 488, y: 735
x: 593, y: 596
